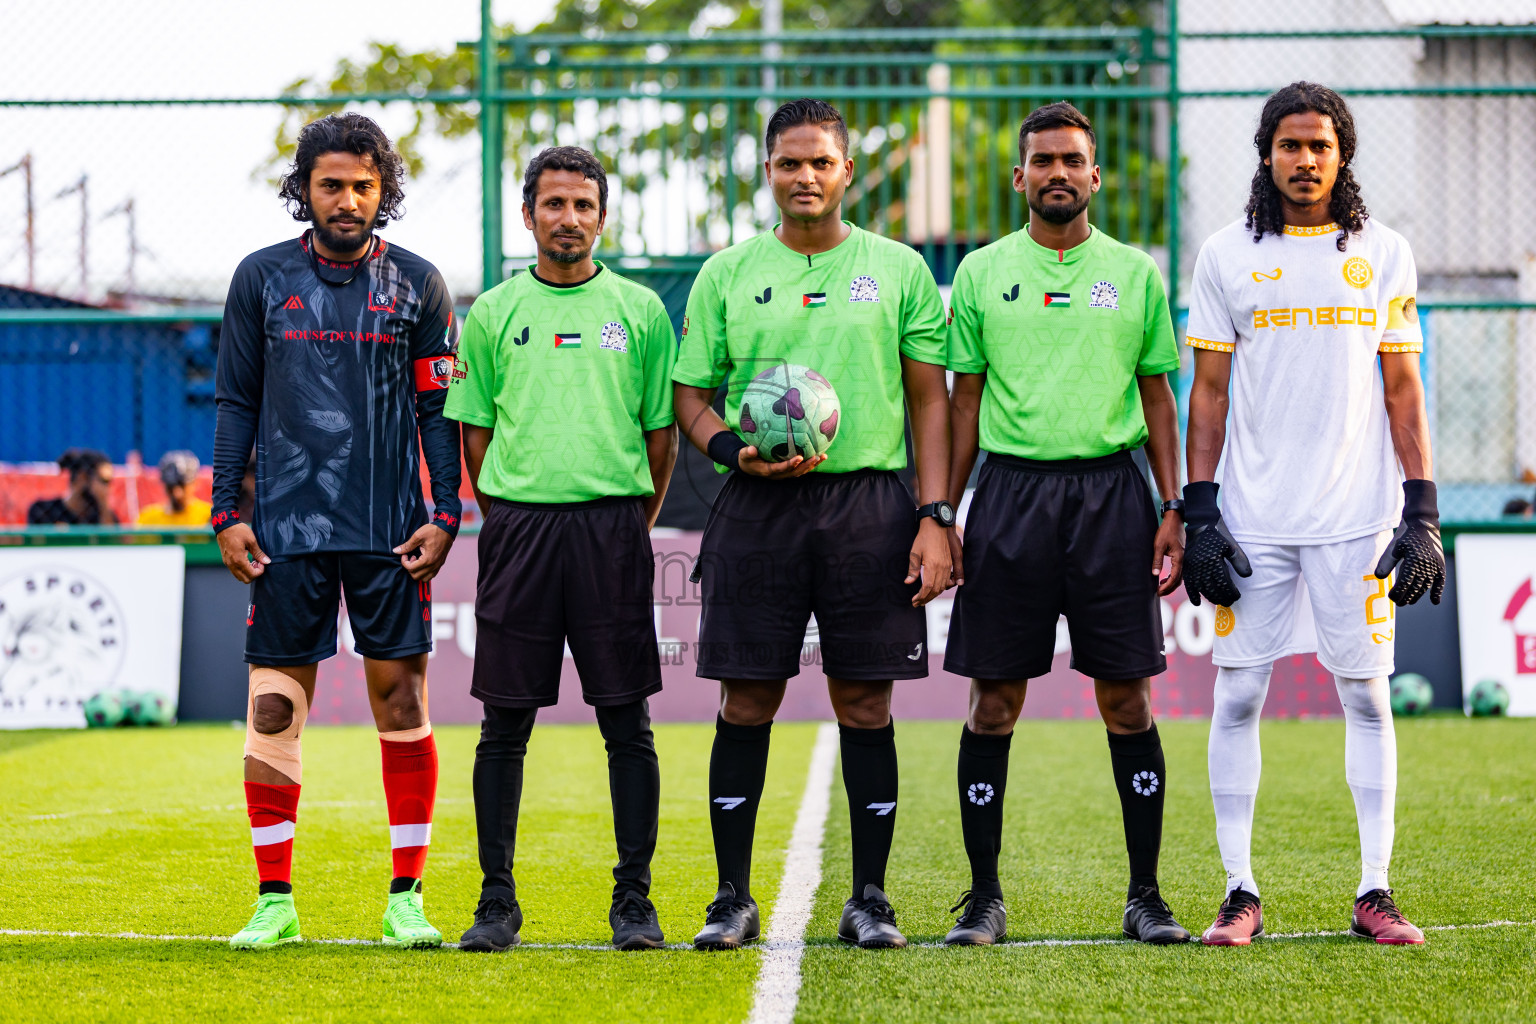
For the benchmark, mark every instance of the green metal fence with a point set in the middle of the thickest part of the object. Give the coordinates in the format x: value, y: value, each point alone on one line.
x: 933, y: 118
x: 1447, y: 118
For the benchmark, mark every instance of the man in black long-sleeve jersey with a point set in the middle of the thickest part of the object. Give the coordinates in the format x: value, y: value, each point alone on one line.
x: 334, y: 359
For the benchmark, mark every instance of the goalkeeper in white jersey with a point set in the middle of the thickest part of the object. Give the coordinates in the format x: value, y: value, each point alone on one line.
x: 1293, y: 308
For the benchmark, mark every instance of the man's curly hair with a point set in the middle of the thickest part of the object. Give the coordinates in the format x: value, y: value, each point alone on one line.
x: 1345, y: 206
x: 345, y: 133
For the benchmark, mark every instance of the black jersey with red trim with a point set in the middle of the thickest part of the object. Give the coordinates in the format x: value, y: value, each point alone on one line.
x: 331, y: 372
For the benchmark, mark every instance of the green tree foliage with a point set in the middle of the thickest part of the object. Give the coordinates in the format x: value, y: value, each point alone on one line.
x: 704, y: 114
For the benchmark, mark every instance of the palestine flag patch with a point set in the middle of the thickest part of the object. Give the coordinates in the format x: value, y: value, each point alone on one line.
x: 1058, y: 298
x: 813, y: 299
x: 567, y: 341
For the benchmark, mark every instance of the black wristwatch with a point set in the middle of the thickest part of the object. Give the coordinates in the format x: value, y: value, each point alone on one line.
x: 942, y: 512
x: 1173, y: 505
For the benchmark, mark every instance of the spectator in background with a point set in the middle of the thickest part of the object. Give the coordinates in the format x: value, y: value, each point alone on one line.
x: 87, y: 501
x: 1517, y: 508
x: 178, y: 474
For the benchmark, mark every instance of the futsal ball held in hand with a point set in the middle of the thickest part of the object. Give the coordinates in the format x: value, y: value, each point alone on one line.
x: 104, y: 710
x: 149, y: 709
x: 787, y: 411
x: 1489, y: 697
x: 1412, y: 694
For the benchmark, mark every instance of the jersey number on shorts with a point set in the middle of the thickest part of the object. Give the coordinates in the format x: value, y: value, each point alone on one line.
x: 1374, y: 617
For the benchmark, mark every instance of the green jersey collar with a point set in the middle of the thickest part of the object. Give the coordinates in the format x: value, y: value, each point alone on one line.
x: 1049, y: 255
x: 817, y: 259
x: 565, y: 289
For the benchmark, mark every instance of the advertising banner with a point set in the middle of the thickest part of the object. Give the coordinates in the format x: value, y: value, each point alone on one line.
x: 76, y: 622
x: 1495, y: 580
x: 1300, y: 686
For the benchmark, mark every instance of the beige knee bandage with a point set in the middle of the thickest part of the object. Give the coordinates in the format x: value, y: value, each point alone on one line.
x: 278, y: 750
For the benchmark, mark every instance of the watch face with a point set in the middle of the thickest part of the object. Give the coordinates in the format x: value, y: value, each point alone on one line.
x: 946, y: 513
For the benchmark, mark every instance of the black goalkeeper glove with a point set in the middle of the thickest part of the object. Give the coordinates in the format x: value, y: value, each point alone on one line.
x: 1416, y: 544
x: 1208, y: 547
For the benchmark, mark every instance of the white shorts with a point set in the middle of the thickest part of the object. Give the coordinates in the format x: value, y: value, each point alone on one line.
x: 1312, y: 598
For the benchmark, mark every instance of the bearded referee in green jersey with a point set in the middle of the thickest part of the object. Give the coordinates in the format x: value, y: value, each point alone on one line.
x: 1061, y: 344
x: 838, y: 536
x: 564, y: 389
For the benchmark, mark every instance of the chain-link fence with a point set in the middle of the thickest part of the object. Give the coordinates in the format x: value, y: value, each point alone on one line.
x: 1446, y: 122
x: 125, y: 205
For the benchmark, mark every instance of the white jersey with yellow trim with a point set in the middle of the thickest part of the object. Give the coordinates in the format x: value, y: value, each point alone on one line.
x: 1309, y: 456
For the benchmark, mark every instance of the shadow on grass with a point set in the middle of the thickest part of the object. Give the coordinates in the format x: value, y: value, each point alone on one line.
x: 11, y: 742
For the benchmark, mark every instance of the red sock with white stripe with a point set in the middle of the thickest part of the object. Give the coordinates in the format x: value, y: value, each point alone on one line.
x: 273, y: 811
x: 410, y: 790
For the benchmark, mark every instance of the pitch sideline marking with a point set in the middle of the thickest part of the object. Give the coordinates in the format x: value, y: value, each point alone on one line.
x: 309, y: 805
x: 1025, y: 943
x: 777, y: 991
x: 1021, y: 944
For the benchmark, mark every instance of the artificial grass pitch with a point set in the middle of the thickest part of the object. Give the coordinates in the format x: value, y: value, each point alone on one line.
x: 145, y: 831
x: 1466, y: 812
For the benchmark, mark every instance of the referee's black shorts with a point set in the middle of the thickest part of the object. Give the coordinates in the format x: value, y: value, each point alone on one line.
x: 552, y: 575
x: 1045, y: 539
x: 835, y: 545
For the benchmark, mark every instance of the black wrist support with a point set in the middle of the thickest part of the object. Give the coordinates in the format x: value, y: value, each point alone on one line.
x: 725, y: 448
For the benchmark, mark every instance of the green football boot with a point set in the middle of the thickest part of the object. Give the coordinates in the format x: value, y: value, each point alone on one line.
x: 274, y: 923
x: 405, y: 924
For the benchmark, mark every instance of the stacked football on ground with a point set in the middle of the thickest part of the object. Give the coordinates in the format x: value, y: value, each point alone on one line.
x: 111, y: 708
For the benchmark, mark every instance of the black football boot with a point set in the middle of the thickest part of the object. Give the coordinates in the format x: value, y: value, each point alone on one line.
x: 728, y: 921
x: 870, y: 922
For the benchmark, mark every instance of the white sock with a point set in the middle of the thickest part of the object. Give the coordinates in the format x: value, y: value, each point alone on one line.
x: 1370, y: 767
x: 1233, y: 760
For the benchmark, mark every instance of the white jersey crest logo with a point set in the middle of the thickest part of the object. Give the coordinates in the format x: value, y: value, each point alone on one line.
x: 864, y: 289
x: 615, y: 337
x: 1104, y: 296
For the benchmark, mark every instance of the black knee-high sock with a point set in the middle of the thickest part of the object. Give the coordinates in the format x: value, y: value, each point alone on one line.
x: 634, y: 785
x: 1142, y: 781
x: 983, y: 777
x: 869, y: 776
x: 738, y: 764
x: 498, y: 786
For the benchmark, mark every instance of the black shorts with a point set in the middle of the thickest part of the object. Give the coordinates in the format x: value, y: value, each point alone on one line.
x: 552, y: 575
x: 1045, y: 539
x: 292, y: 618
x: 834, y: 544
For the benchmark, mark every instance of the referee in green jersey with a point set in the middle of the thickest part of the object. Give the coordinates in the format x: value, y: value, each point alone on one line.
x: 564, y: 389
x: 1061, y: 343
x: 838, y: 536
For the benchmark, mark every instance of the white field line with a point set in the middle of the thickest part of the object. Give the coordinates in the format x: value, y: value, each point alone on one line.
x: 1022, y: 944
x: 25, y: 932
x: 778, y: 973
x: 162, y: 810
x: 1026, y: 943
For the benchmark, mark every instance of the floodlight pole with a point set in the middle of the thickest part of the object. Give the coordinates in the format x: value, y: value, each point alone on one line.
x: 491, y: 146
x: 126, y: 209
x: 24, y: 165
x: 85, y: 224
